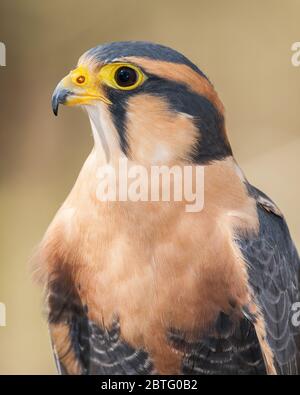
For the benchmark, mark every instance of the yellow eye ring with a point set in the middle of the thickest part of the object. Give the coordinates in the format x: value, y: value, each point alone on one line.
x: 122, y: 76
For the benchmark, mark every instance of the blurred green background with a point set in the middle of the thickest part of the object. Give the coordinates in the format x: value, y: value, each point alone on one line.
x: 243, y: 46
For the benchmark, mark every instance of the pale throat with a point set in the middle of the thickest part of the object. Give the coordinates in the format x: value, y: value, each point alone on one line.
x: 106, y: 141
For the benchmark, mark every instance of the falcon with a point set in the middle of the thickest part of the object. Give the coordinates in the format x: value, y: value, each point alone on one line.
x: 145, y: 287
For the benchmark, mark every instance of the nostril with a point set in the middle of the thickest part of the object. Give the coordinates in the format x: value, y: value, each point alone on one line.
x: 80, y: 79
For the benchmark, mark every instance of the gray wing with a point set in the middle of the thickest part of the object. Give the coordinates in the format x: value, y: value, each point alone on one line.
x: 273, y: 269
x: 82, y: 347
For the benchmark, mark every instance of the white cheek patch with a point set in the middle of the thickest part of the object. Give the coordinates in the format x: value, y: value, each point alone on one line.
x: 94, y: 116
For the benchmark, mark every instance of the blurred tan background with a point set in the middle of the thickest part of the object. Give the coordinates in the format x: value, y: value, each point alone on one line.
x: 243, y: 46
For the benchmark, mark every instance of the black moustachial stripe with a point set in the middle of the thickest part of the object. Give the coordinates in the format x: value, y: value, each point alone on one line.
x: 212, y: 143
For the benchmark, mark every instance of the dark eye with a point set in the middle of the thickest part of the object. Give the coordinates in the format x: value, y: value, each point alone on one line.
x: 125, y: 76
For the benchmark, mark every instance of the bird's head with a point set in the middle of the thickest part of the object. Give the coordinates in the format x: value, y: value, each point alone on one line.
x: 147, y: 101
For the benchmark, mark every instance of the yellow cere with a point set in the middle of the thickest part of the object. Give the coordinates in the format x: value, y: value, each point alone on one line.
x: 108, y: 72
x: 80, y: 76
x: 85, y: 86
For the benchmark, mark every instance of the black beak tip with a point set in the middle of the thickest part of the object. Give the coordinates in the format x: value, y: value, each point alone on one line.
x: 55, y: 104
x: 55, y: 111
x: 59, y: 97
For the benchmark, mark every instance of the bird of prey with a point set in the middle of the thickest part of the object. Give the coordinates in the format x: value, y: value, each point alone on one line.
x: 146, y: 287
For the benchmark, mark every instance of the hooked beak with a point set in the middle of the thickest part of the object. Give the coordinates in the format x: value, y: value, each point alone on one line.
x: 59, y: 96
x: 78, y: 88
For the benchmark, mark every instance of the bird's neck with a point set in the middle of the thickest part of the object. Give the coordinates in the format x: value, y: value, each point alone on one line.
x: 106, y: 143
